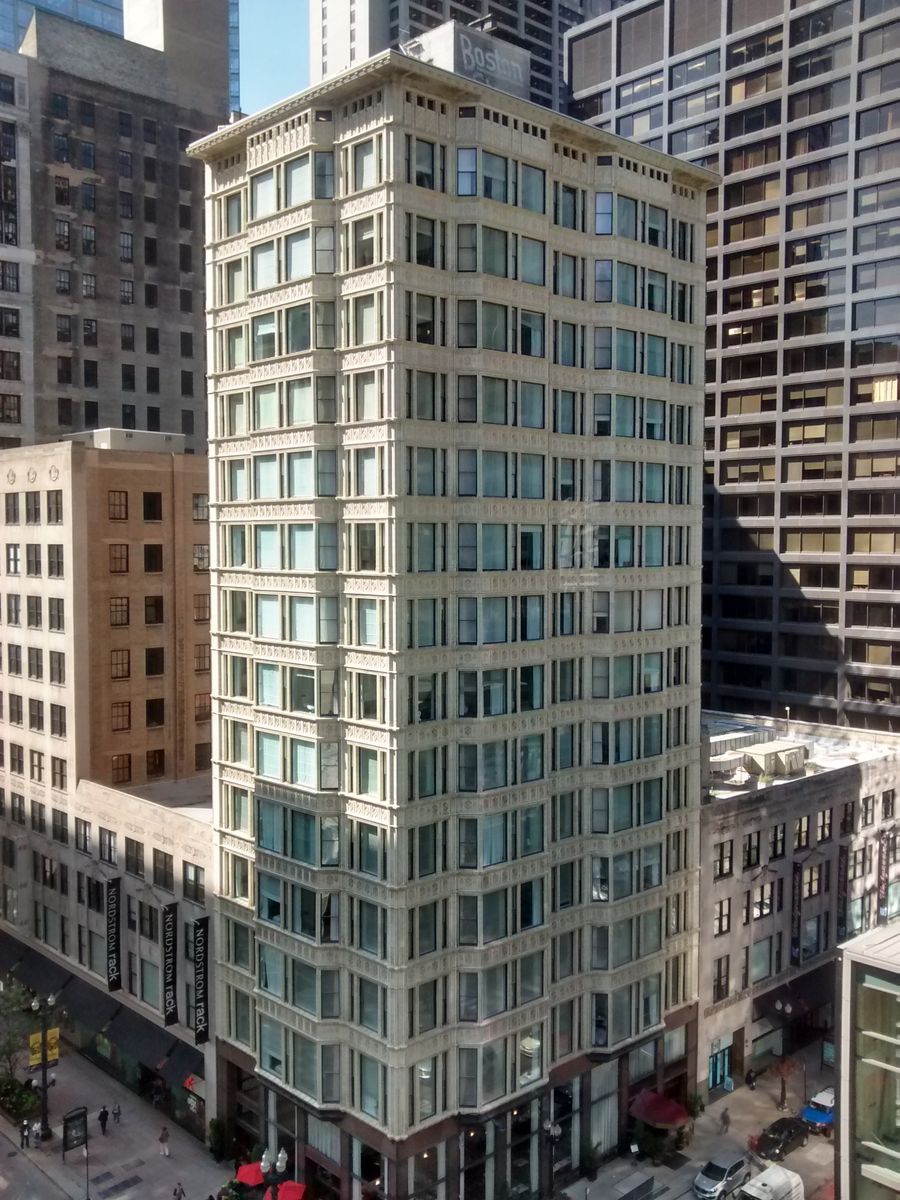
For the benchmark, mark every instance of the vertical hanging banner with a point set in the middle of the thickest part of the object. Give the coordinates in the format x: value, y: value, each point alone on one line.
x: 796, y: 912
x: 884, y: 869
x: 114, y: 934
x: 170, y: 963
x: 843, y: 880
x: 201, y: 981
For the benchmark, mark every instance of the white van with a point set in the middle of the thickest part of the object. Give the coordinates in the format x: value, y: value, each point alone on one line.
x: 774, y: 1183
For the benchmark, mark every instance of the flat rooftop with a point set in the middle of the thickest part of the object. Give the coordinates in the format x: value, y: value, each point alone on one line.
x: 881, y: 943
x: 109, y: 438
x: 824, y: 748
x: 192, y: 797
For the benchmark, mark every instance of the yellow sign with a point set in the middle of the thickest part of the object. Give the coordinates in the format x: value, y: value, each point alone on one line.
x: 34, y: 1047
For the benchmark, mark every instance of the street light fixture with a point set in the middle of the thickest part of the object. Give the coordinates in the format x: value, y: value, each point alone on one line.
x: 273, y: 1173
x: 553, y: 1132
x: 44, y: 1009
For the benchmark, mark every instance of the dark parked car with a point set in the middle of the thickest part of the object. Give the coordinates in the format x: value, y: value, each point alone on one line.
x: 781, y: 1137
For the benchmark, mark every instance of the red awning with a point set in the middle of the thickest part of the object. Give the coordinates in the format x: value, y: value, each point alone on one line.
x: 660, y: 1111
x: 251, y: 1174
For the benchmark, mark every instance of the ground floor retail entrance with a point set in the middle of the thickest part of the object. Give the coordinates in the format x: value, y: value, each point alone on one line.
x: 528, y: 1147
x: 148, y: 1058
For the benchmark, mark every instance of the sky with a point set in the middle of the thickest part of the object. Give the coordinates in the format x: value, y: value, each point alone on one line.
x: 274, y: 50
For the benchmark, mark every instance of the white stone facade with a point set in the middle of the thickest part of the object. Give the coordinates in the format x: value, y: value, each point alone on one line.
x: 456, y: 616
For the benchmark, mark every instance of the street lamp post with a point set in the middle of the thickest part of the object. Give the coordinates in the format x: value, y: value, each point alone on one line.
x: 552, y: 1132
x: 43, y: 1009
x: 274, y: 1172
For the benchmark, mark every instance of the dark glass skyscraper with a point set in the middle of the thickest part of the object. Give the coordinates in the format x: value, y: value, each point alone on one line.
x: 798, y: 106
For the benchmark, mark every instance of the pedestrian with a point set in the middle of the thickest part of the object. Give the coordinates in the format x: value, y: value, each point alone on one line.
x: 116, y: 1113
x: 750, y: 1080
x: 164, y: 1141
x: 178, y: 1192
x: 103, y: 1117
x: 36, y: 1132
x: 724, y: 1121
x: 24, y: 1135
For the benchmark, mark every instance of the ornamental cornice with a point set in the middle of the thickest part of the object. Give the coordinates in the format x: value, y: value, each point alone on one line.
x: 363, y: 585
x: 368, y: 735
x: 281, y: 223
x: 264, y: 511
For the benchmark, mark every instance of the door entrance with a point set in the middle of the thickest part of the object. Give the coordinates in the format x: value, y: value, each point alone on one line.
x: 719, y: 1068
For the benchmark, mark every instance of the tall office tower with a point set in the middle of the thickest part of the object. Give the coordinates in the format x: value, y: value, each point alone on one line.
x: 234, y: 55
x: 101, y: 255
x: 350, y: 32
x: 15, y: 16
x: 793, y: 104
x: 455, y: 643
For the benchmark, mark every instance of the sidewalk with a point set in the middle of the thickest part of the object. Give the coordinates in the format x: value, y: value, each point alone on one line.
x: 126, y: 1164
x: 750, y: 1113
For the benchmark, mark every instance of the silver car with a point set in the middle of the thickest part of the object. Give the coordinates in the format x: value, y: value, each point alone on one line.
x: 723, y: 1174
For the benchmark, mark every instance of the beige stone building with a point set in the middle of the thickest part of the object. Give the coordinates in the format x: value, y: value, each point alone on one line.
x: 147, y: 558
x: 456, y: 345
x: 148, y: 850
x: 105, y: 611
x: 801, y: 851
x: 105, y: 687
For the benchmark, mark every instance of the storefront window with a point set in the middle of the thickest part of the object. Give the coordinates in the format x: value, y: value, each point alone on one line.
x: 369, y: 1169
x: 604, y: 1107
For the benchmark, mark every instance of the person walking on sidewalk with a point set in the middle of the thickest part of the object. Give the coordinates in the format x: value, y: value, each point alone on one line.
x: 103, y: 1117
x: 116, y: 1113
x: 178, y: 1193
x: 24, y: 1135
x: 164, y: 1141
x: 724, y: 1121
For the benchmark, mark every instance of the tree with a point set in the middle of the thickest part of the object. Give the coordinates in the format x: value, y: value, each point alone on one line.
x: 784, y: 1068
x: 16, y: 1022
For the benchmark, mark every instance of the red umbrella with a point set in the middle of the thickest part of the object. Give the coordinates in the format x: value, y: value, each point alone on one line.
x: 291, y: 1190
x: 660, y: 1111
x: 251, y: 1174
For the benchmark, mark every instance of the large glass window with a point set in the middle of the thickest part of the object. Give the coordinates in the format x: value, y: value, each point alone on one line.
x: 263, y: 194
x: 533, y: 188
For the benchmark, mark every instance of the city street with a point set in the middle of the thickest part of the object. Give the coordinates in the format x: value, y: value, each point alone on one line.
x: 22, y: 1179
x: 124, y: 1165
x: 750, y: 1112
